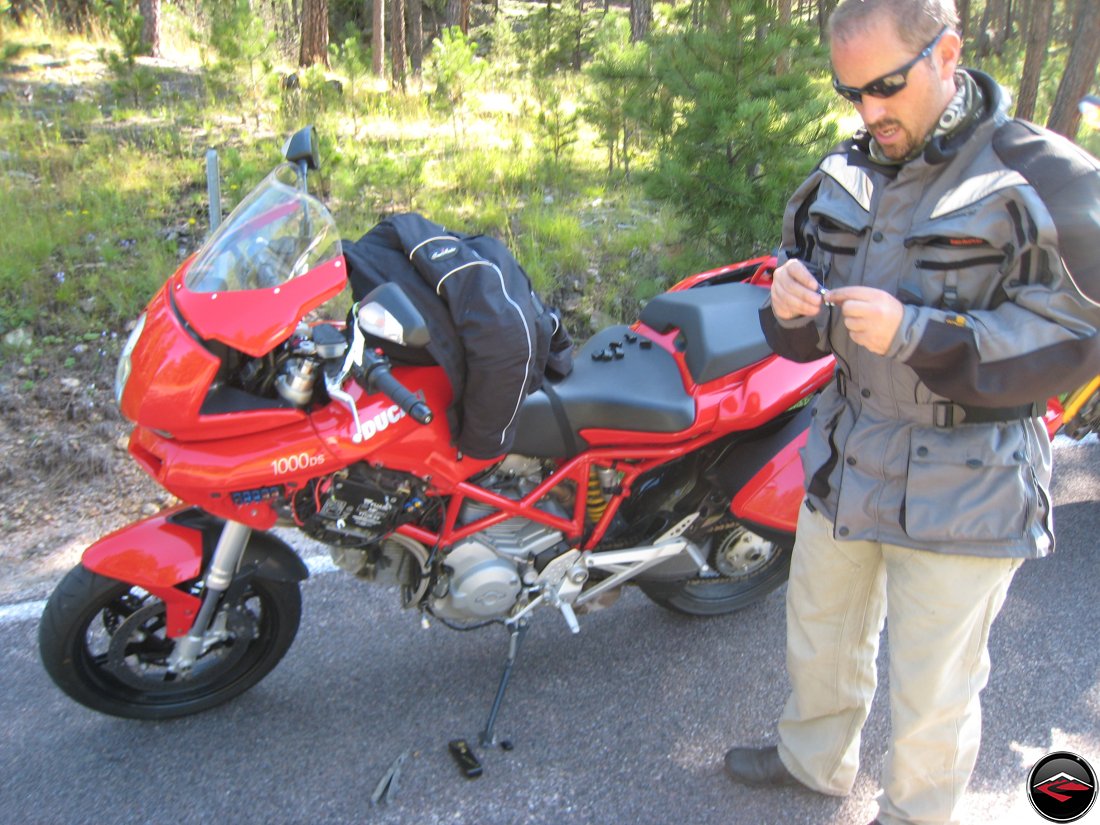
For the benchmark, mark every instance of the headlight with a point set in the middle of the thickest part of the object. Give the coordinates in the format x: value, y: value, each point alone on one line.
x: 122, y: 374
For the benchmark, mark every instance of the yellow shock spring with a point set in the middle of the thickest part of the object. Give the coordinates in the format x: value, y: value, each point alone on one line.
x: 1077, y: 399
x: 596, y: 502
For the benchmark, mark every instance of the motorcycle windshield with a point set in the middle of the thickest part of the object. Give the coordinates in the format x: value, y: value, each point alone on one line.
x: 276, y: 234
x: 274, y: 261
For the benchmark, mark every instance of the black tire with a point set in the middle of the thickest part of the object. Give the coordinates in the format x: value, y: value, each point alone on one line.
x: 746, y: 583
x: 126, y: 676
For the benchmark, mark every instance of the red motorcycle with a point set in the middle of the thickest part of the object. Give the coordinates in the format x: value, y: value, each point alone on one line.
x: 676, y: 469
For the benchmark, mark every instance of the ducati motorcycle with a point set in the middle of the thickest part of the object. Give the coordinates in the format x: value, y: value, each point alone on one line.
x: 667, y: 459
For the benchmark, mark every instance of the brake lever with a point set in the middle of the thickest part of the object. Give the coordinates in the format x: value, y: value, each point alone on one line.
x: 335, y: 385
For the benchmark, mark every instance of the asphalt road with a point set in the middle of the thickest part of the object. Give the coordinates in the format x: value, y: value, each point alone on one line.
x: 625, y: 723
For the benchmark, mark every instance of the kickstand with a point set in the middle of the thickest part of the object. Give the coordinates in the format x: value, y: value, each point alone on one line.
x: 517, y: 631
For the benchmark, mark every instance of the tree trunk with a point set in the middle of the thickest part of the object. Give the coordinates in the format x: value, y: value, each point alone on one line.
x: 416, y: 35
x: 458, y: 14
x: 641, y: 15
x: 824, y: 9
x: 992, y: 34
x: 378, y: 38
x: 150, y: 27
x: 964, y: 18
x: 1038, y: 42
x: 783, y: 64
x: 1025, y: 10
x: 314, y: 46
x: 75, y: 15
x: 1080, y: 72
x: 397, y: 44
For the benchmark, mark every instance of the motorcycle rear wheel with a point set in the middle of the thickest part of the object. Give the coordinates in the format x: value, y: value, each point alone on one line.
x: 102, y: 641
x: 749, y: 567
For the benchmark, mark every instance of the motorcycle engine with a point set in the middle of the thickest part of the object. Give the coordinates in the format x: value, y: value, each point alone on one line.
x: 484, y: 576
x: 357, y: 506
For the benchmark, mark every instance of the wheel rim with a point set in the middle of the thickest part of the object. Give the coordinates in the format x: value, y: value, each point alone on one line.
x: 742, y: 553
x: 123, y: 648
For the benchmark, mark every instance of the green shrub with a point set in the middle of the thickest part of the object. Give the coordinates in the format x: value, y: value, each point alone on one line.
x: 455, y: 69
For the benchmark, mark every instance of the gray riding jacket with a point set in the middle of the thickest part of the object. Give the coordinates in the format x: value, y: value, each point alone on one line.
x: 991, y: 240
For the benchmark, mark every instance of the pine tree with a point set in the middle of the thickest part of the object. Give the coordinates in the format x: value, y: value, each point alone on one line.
x: 744, y: 137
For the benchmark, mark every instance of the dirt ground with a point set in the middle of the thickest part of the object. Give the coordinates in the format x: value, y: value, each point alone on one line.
x: 67, y: 476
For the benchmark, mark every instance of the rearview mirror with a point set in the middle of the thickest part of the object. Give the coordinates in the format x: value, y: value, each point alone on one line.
x: 388, y: 313
x: 301, y: 147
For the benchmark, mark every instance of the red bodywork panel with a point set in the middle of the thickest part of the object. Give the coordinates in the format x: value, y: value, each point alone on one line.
x: 254, y: 321
x: 171, y: 373
x: 773, y: 496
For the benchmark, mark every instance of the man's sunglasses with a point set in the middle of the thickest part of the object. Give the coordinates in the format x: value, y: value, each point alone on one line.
x: 890, y: 83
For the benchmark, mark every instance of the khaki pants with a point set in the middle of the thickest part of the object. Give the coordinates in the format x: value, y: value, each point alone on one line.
x: 940, y: 608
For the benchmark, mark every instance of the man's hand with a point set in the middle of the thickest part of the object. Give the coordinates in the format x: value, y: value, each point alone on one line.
x: 794, y: 291
x: 871, y: 316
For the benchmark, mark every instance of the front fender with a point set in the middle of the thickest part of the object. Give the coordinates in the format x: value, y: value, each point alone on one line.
x: 155, y: 554
x: 160, y: 551
x: 163, y: 551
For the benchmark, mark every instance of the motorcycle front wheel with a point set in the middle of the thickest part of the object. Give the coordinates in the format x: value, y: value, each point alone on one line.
x: 103, y: 642
x: 747, y: 567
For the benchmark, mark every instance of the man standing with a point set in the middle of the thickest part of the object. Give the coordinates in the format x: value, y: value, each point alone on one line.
x: 949, y: 257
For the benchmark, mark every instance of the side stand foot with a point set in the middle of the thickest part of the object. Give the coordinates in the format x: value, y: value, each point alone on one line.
x: 518, y: 631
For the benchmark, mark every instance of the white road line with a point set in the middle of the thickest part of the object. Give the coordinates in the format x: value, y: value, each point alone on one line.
x: 32, y: 610
x: 21, y: 612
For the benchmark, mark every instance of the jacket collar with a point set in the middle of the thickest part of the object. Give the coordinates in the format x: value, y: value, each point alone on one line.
x: 995, y: 104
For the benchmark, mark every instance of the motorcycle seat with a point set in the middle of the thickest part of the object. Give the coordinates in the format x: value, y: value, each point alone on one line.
x: 620, y: 381
x: 719, y: 326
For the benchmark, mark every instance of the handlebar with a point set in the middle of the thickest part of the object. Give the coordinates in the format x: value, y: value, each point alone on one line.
x: 376, y: 373
x: 373, y: 369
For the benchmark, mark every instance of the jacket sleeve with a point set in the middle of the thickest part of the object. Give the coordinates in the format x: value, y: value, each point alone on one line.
x: 800, y: 339
x: 1045, y: 337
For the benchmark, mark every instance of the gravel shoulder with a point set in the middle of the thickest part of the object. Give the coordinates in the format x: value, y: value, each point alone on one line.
x: 67, y: 476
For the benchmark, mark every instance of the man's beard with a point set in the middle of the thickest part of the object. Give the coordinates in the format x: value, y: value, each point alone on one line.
x: 896, y: 150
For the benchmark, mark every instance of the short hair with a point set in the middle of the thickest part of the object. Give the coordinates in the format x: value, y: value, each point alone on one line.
x: 916, y: 21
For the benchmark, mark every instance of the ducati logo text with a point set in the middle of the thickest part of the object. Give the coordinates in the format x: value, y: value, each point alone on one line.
x: 378, y: 422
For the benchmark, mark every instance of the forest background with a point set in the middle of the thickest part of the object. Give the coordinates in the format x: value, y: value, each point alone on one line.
x: 615, y: 147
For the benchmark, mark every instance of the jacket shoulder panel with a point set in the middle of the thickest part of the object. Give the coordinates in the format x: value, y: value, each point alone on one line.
x: 852, y: 179
x: 1067, y: 181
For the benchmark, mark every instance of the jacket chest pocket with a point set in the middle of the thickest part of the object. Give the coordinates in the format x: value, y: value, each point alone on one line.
x: 838, y: 239
x: 969, y: 484
x: 955, y: 273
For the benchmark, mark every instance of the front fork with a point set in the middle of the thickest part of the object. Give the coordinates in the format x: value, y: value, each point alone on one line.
x: 219, y: 575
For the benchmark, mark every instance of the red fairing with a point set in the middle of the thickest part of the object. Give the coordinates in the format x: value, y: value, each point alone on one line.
x: 171, y: 375
x: 171, y: 370
x: 773, y: 496
x: 157, y: 555
x: 207, y: 472
x: 255, y: 320
x: 1054, y: 417
x: 754, y: 270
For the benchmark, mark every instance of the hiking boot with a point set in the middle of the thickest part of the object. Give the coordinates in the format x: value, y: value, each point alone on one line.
x: 759, y: 767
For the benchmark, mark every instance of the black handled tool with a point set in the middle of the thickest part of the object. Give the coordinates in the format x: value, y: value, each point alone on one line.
x: 465, y: 757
